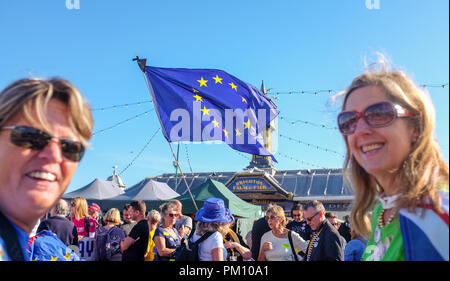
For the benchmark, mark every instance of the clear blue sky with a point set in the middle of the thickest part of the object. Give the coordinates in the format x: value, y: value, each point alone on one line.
x: 291, y: 45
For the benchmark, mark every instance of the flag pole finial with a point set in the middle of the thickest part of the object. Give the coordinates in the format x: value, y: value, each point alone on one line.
x: 141, y: 63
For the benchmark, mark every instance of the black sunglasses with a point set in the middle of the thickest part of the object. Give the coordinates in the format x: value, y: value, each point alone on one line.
x: 311, y: 218
x: 35, y: 139
x: 377, y: 115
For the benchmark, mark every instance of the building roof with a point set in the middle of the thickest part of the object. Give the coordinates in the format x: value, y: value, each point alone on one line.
x: 308, y: 183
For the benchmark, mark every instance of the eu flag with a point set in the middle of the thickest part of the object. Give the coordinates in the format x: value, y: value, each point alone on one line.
x: 208, y: 105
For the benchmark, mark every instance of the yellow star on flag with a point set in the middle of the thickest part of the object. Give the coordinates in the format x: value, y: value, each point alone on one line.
x: 202, y: 82
x: 244, y: 100
x: 237, y: 132
x: 194, y: 90
x: 216, y: 124
x: 205, y: 111
x: 53, y: 258
x: 225, y: 132
x: 247, y: 124
x: 218, y: 79
x: 198, y: 98
x: 67, y: 256
x: 233, y: 86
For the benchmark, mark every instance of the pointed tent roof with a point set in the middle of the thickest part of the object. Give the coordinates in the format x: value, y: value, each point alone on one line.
x: 147, y: 190
x: 212, y: 188
x: 96, y: 190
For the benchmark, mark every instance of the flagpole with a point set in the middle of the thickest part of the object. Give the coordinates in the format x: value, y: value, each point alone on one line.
x: 142, y: 63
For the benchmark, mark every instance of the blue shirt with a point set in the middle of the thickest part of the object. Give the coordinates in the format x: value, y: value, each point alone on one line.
x: 23, y: 238
x: 354, y: 250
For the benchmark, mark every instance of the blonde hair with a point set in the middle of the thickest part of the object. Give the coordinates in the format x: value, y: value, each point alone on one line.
x: 154, y: 216
x: 81, y: 208
x: 279, y: 212
x: 424, y: 169
x: 31, y: 96
x: 203, y: 227
x: 112, y: 216
x: 165, y: 208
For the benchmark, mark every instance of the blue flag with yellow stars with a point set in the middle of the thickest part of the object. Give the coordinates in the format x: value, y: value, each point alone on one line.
x: 46, y: 246
x: 200, y: 105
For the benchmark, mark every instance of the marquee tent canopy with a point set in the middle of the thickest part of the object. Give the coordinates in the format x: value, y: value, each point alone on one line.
x: 147, y: 190
x: 95, y: 191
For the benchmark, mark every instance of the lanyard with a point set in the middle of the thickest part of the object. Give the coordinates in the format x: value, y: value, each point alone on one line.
x: 312, y: 242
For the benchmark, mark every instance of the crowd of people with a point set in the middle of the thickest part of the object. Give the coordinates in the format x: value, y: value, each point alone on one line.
x: 138, y: 235
x: 393, y: 162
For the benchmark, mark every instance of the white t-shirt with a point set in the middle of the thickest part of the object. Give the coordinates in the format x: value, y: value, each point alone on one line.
x: 212, y: 242
x: 281, y: 249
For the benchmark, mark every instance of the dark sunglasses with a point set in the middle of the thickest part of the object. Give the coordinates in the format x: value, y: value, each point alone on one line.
x: 173, y: 215
x: 311, y: 218
x: 376, y: 116
x: 35, y: 139
x: 271, y: 217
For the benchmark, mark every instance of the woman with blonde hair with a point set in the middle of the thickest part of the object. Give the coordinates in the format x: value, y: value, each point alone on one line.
x: 166, y: 237
x: 45, y: 126
x: 108, y: 237
x: 276, y: 244
x: 387, y: 123
x: 213, y: 220
x: 153, y: 218
x: 86, y: 225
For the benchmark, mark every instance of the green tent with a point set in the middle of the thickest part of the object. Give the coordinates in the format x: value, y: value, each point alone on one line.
x: 212, y: 188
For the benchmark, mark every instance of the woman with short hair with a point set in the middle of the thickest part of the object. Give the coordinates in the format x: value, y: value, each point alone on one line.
x: 275, y: 244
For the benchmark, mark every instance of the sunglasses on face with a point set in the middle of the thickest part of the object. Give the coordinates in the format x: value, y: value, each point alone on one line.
x: 271, y: 217
x: 173, y: 215
x: 35, y: 139
x: 311, y: 218
x: 376, y: 116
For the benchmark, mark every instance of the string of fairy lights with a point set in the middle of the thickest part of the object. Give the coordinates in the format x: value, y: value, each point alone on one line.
x: 272, y: 95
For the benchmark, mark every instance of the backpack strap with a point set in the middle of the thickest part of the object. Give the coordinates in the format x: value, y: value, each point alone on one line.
x: 204, y: 237
x: 9, y: 235
x: 292, y: 245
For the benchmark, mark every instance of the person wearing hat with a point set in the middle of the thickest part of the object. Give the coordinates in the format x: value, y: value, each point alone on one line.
x: 213, y: 217
x: 95, y: 213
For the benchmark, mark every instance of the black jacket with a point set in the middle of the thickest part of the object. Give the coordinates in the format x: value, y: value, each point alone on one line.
x: 62, y: 227
x: 327, y: 246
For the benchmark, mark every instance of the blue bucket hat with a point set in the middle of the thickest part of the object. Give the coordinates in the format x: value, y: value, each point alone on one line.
x: 214, y: 210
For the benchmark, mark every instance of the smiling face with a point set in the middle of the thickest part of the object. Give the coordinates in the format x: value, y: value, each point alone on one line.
x: 380, y: 151
x: 31, y: 181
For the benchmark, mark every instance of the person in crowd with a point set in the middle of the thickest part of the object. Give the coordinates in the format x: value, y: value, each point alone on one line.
x: 344, y: 229
x: 128, y: 222
x: 260, y: 226
x: 355, y: 247
x: 135, y: 244
x: 325, y: 244
x: 213, y: 219
x: 45, y: 126
x: 276, y: 244
x: 233, y: 236
x: 299, y: 224
x: 153, y: 219
x: 108, y: 237
x: 57, y: 223
x: 94, y: 212
x: 166, y: 237
x: 334, y: 221
x: 184, y: 223
x: 86, y: 225
x: 248, y: 239
x: 387, y: 122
